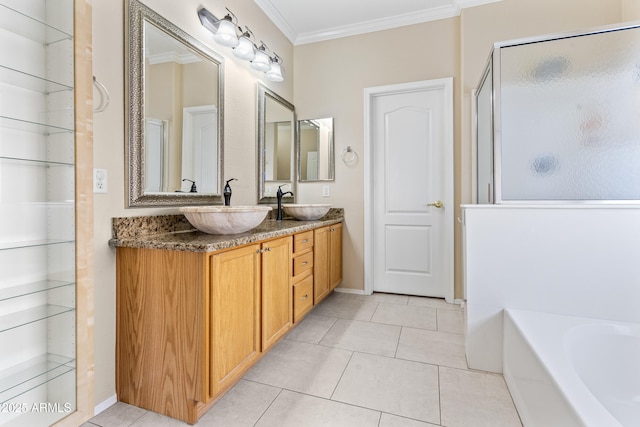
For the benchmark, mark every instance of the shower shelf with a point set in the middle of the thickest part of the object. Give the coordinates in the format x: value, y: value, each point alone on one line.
x: 31, y: 28
x: 31, y: 315
x: 32, y: 127
x: 32, y: 82
x: 28, y: 375
x: 44, y: 212
x: 34, y: 288
x: 34, y: 243
x: 35, y: 162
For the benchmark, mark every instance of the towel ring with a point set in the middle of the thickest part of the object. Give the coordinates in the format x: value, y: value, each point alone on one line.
x: 349, y: 156
x: 104, y: 96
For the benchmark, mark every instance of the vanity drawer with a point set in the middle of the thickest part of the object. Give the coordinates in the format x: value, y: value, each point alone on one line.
x: 302, y: 263
x: 302, y: 298
x: 302, y: 241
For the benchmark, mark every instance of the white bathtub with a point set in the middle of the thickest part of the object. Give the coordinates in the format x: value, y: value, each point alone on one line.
x: 569, y: 371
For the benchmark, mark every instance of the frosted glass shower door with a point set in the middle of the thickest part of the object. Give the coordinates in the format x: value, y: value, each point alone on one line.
x: 570, y: 118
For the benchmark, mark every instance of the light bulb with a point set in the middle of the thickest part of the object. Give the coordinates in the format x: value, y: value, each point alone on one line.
x: 226, y: 34
x: 245, y: 49
x: 261, y: 61
x: 275, y: 73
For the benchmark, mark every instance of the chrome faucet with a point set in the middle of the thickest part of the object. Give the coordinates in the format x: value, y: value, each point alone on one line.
x: 280, y: 194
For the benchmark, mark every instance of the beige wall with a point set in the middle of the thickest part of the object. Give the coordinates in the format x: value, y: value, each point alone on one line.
x: 329, y: 81
x: 331, y: 77
x: 630, y: 10
x: 109, y: 138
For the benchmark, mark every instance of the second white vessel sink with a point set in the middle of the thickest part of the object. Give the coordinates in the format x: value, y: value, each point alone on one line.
x: 306, y: 212
x: 225, y: 219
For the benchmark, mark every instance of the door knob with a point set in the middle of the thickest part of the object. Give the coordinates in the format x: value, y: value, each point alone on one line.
x: 437, y: 204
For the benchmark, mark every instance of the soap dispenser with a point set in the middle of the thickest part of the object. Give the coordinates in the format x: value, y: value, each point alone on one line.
x: 227, y: 192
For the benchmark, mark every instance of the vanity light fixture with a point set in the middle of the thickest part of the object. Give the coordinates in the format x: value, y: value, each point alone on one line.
x: 261, y: 62
x: 245, y: 48
x: 276, y: 71
x: 225, y: 32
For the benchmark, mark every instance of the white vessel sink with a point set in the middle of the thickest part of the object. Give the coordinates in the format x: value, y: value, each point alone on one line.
x: 307, y: 212
x: 225, y: 219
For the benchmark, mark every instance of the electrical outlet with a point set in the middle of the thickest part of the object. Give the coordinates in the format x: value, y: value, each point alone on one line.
x: 99, y: 180
x: 325, y: 191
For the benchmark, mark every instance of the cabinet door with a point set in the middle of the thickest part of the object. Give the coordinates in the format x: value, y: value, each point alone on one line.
x: 234, y: 314
x: 335, y: 255
x: 277, y: 304
x: 302, y: 298
x: 321, y: 264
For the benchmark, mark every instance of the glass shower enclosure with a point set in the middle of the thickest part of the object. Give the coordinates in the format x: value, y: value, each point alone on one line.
x: 558, y: 119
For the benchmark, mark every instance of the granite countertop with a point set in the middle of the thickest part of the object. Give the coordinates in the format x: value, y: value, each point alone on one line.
x: 173, y: 232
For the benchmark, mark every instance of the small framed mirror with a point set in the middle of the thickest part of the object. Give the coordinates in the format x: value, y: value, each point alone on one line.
x: 174, y: 85
x: 316, y: 158
x: 276, y: 146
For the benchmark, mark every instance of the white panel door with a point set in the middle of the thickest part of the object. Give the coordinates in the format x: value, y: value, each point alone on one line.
x: 199, y: 147
x: 154, y: 155
x: 411, y: 186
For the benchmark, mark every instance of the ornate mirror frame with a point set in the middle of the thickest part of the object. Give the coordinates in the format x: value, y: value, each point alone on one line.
x: 136, y: 14
x: 264, y: 196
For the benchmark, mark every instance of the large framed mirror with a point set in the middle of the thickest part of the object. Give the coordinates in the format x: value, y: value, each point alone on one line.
x: 174, y: 84
x: 276, y: 146
x: 316, y: 157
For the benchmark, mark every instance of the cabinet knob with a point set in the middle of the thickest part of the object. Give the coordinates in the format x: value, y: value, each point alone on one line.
x: 305, y: 241
x: 304, y: 297
x: 305, y: 263
x: 267, y: 249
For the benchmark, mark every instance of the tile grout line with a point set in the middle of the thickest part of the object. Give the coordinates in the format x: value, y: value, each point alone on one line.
x: 439, y: 397
x: 140, y: 417
x: 341, y: 376
x: 268, y: 406
x: 395, y: 353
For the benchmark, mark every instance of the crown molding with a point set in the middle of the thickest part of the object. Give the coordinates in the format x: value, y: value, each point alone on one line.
x: 379, y: 24
x: 471, y: 3
x: 387, y: 23
x: 161, y: 58
x: 276, y: 17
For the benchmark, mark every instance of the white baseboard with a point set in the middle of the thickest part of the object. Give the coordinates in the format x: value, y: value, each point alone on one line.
x: 457, y: 301
x: 350, y: 291
x: 105, y: 404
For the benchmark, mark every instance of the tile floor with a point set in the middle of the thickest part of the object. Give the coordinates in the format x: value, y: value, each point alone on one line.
x: 381, y: 360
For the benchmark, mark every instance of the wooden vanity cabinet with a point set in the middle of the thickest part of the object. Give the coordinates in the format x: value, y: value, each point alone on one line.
x: 302, y: 274
x: 162, y: 330
x: 327, y: 260
x: 190, y: 324
x: 335, y: 255
x: 234, y: 313
x: 277, y: 301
